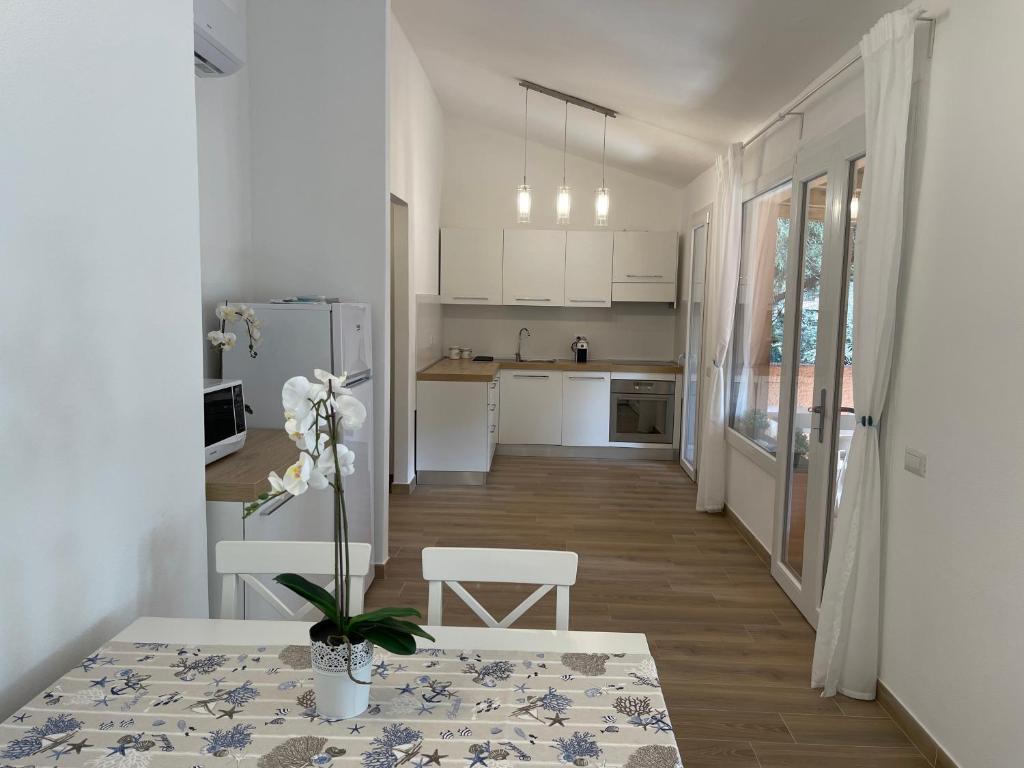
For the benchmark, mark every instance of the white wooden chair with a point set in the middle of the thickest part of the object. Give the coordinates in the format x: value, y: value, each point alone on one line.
x: 244, y: 560
x: 450, y: 565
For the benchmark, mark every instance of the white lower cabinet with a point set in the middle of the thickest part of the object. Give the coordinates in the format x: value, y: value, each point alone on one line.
x: 456, y: 423
x: 531, y: 408
x: 586, y: 398
x: 286, y: 518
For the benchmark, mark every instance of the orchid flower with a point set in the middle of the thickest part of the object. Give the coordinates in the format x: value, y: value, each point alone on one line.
x: 227, y: 312
x: 295, y: 397
x: 351, y: 411
x: 296, y: 479
x: 346, y: 460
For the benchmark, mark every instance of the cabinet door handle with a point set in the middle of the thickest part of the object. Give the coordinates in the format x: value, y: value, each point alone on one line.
x: 493, y: 406
x: 658, y: 277
x: 469, y: 298
x: 493, y: 384
x: 268, y: 509
x: 586, y: 378
x: 527, y: 298
x: 588, y: 301
x: 493, y: 426
x: 530, y: 376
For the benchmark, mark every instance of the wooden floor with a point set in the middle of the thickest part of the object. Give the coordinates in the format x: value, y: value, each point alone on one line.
x: 733, y: 653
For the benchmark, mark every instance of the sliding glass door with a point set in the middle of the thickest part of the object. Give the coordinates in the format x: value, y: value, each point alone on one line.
x: 699, y: 238
x: 816, y: 414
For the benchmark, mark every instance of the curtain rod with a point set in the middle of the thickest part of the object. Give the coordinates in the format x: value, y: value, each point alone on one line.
x: 568, y: 99
x: 789, y: 110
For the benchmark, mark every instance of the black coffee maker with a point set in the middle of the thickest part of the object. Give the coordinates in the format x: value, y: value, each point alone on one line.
x: 579, y: 346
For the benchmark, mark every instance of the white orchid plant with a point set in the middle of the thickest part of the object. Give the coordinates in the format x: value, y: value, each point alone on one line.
x: 317, y: 414
x: 230, y: 313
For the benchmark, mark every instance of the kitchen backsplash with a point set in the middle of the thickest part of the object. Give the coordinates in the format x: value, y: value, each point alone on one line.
x: 626, y: 331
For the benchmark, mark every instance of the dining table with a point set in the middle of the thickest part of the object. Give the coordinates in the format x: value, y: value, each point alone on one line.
x: 202, y: 693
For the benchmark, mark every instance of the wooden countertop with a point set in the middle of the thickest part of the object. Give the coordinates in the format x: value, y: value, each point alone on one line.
x: 467, y: 370
x: 242, y: 476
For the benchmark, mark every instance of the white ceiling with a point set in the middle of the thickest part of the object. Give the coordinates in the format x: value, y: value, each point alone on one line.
x: 688, y: 76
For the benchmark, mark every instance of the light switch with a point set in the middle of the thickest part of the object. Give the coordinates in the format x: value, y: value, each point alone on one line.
x: 915, y: 462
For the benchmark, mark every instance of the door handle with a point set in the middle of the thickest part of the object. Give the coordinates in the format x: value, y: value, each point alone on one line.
x: 527, y: 298
x: 530, y: 376
x: 820, y: 410
x: 637, y: 277
x: 469, y: 298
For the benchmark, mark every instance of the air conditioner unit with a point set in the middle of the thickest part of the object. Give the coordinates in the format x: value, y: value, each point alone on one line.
x: 219, y: 39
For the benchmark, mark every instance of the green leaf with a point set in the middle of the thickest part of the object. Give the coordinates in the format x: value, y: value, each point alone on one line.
x: 399, y: 626
x: 383, y: 613
x: 390, y: 640
x: 311, y: 593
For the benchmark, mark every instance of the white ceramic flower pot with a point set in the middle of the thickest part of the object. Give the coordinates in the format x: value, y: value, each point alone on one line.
x: 338, y: 697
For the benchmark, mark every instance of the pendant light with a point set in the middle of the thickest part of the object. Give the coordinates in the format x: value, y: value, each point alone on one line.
x: 563, y: 204
x: 524, y: 200
x: 602, y: 202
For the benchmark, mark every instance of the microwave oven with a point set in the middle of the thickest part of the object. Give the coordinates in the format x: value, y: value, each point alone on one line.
x: 223, y: 417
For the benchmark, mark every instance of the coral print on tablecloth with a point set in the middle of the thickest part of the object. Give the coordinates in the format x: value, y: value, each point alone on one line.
x: 148, y: 705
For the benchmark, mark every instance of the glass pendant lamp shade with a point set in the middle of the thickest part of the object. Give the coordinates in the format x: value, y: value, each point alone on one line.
x: 854, y: 207
x: 601, y: 205
x: 602, y: 202
x: 563, y: 204
x: 524, y: 202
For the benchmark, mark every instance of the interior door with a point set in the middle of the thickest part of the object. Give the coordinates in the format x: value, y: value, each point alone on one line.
x: 816, y: 413
x: 699, y: 233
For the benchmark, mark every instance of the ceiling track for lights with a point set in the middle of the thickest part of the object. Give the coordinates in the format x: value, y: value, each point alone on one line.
x: 568, y: 99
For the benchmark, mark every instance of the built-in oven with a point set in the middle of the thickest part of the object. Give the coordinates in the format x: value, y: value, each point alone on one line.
x: 642, y: 411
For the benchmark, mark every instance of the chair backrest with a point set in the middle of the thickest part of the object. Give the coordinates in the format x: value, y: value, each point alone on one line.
x: 244, y: 560
x: 450, y: 565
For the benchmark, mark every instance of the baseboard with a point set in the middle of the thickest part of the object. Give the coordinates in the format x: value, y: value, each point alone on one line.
x: 933, y: 753
x: 748, y: 535
x: 403, y: 489
x: 436, y: 477
x: 583, y: 452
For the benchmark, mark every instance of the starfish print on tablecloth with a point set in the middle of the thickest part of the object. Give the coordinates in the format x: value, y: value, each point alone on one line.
x: 434, y: 758
x: 229, y: 713
x: 557, y: 720
x: 103, y: 682
x: 357, y: 728
x: 78, y: 746
x: 21, y: 718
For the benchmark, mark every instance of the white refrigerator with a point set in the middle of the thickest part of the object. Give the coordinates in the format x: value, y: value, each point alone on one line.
x: 296, y: 338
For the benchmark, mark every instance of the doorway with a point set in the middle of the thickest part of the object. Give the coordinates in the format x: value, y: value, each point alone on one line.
x: 399, y: 438
x: 700, y: 227
x: 816, y: 398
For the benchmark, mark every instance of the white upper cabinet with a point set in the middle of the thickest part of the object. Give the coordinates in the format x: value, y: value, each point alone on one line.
x: 471, y: 266
x: 588, y: 269
x: 533, y: 268
x: 645, y: 257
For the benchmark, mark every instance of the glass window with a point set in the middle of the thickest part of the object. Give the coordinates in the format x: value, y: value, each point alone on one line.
x: 760, y: 316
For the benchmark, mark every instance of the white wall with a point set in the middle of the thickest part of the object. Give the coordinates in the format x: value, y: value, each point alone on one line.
x: 953, y: 582
x: 319, y: 101
x: 481, y: 171
x: 225, y: 205
x: 100, y: 362
x: 416, y: 147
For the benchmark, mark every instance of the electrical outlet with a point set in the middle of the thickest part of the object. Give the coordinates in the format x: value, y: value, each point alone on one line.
x: 915, y: 462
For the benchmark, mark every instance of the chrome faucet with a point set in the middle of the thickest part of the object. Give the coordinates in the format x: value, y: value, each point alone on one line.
x: 519, y: 344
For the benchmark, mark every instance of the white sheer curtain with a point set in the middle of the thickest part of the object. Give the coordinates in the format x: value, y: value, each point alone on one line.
x: 720, y: 306
x: 846, y: 648
x: 756, y: 295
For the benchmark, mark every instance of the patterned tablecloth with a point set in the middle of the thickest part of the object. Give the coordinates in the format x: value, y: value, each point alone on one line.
x: 130, y: 705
